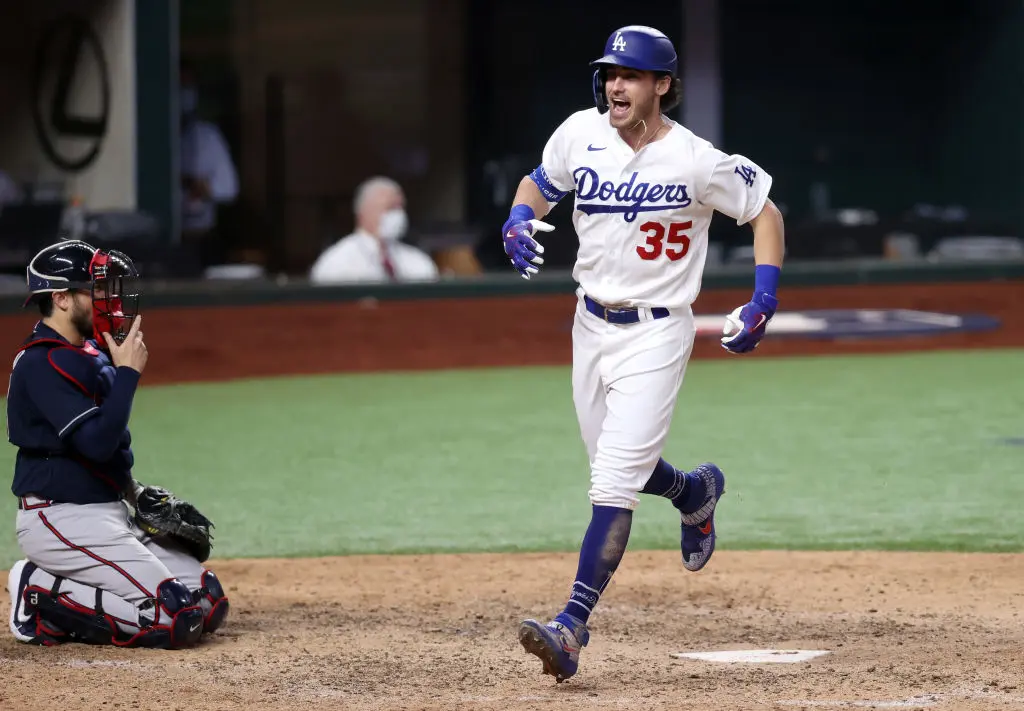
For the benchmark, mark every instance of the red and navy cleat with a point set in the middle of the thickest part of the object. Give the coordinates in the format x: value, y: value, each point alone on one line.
x: 557, y: 644
x: 697, y: 539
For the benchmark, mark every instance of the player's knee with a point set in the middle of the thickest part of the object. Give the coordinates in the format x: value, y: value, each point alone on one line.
x: 213, y: 600
x: 616, y: 483
x: 608, y: 494
x: 171, y: 620
x: 184, y: 618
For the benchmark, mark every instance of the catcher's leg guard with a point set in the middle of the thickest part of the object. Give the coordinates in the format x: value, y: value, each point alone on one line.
x: 169, y: 621
x: 213, y: 601
x: 61, y: 618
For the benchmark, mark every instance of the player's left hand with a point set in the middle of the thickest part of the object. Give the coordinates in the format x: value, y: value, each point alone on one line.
x: 522, y: 249
x: 159, y: 512
x: 745, y: 326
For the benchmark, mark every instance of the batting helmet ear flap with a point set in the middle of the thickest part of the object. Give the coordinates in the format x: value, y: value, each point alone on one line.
x: 600, y: 98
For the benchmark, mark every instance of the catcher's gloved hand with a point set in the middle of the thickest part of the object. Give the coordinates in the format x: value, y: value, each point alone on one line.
x: 745, y: 326
x: 159, y: 512
x: 520, y: 246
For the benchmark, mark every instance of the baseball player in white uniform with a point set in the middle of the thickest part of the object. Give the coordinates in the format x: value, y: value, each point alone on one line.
x: 646, y: 189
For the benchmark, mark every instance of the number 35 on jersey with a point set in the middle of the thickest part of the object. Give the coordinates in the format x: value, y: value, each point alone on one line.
x: 668, y: 241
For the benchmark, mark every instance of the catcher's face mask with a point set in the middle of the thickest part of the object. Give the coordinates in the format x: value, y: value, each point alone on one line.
x: 115, y: 294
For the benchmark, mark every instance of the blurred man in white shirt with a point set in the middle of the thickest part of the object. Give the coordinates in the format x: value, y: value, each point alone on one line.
x: 373, y: 253
x: 208, y: 175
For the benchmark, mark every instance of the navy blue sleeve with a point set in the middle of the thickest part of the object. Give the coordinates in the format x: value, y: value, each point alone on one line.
x: 99, y: 437
x: 61, y: 398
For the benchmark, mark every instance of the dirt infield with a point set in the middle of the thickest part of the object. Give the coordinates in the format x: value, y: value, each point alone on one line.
x: 256, y: 341
x: 934, y: 631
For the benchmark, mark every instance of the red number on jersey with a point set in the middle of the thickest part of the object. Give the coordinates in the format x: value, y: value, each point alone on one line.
x: 655, y: 232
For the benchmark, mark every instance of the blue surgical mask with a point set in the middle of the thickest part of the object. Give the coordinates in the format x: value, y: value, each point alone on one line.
x: 189, y: 100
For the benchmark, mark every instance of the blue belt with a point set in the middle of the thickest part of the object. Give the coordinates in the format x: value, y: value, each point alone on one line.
x: 620, y: 315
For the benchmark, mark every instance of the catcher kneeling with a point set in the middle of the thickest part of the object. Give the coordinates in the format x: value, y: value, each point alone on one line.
x: 107, y: 560
x: 173, y: 601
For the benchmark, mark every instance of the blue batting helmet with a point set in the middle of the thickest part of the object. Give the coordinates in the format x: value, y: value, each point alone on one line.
x: 636, y: 47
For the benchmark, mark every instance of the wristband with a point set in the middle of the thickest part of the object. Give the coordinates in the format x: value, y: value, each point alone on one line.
x: 766, y: 279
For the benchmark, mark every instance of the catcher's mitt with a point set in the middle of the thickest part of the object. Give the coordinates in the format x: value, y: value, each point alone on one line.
x: 159, y: 512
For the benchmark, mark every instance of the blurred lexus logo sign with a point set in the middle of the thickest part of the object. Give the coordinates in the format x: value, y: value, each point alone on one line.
x: 71, y: 93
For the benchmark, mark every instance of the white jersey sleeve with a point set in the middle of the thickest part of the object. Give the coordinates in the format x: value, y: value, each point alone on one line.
x: 736, y: 186
x: 554, y: 176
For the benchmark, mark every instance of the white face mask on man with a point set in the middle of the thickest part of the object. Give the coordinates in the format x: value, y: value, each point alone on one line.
x: 393, y: 225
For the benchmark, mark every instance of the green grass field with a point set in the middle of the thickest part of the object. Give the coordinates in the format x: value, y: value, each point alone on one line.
x: 884, y: 452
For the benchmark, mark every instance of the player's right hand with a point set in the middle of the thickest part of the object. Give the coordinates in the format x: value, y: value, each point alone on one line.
x: 132, y: 353
x: 522, y: 249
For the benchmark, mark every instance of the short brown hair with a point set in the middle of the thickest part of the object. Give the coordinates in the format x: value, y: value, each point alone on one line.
x: 45, y: 303
x: 673, y: 96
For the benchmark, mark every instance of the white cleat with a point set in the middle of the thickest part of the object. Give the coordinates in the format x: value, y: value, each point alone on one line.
x: 23, y: 626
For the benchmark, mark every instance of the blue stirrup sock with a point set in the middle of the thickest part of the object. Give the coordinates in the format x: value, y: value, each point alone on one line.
x: 602, y: 549
x: 685, y: 490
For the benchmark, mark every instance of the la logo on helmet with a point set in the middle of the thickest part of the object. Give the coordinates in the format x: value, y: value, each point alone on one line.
x: 619, y: 44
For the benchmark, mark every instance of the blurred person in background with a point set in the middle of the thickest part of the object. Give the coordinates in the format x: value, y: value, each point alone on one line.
x: 374, y: 252
x: 10, y: 191
x: 208, y: 175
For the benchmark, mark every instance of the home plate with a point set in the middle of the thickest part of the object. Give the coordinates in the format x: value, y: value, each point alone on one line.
x: 753, y: 656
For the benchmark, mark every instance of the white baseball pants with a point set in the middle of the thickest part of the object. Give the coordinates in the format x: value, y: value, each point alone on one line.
x: 625, y: 381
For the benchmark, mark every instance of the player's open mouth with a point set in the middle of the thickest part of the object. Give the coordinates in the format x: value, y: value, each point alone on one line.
x: 620, y: 108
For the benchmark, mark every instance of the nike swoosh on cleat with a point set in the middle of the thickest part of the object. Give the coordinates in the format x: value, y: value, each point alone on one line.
x: 194, y: 627
x: 706, y: 528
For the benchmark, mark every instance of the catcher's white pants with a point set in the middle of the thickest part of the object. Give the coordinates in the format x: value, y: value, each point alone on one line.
x: 97, y: 546
x: 625, y: 381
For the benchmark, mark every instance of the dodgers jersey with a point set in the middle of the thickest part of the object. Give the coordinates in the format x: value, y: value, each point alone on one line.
x: 642, y: 218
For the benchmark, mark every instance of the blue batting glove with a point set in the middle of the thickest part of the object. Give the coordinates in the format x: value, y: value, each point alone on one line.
x: 749, y: 323
x: 746, y: 325
x: 520, y: 246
